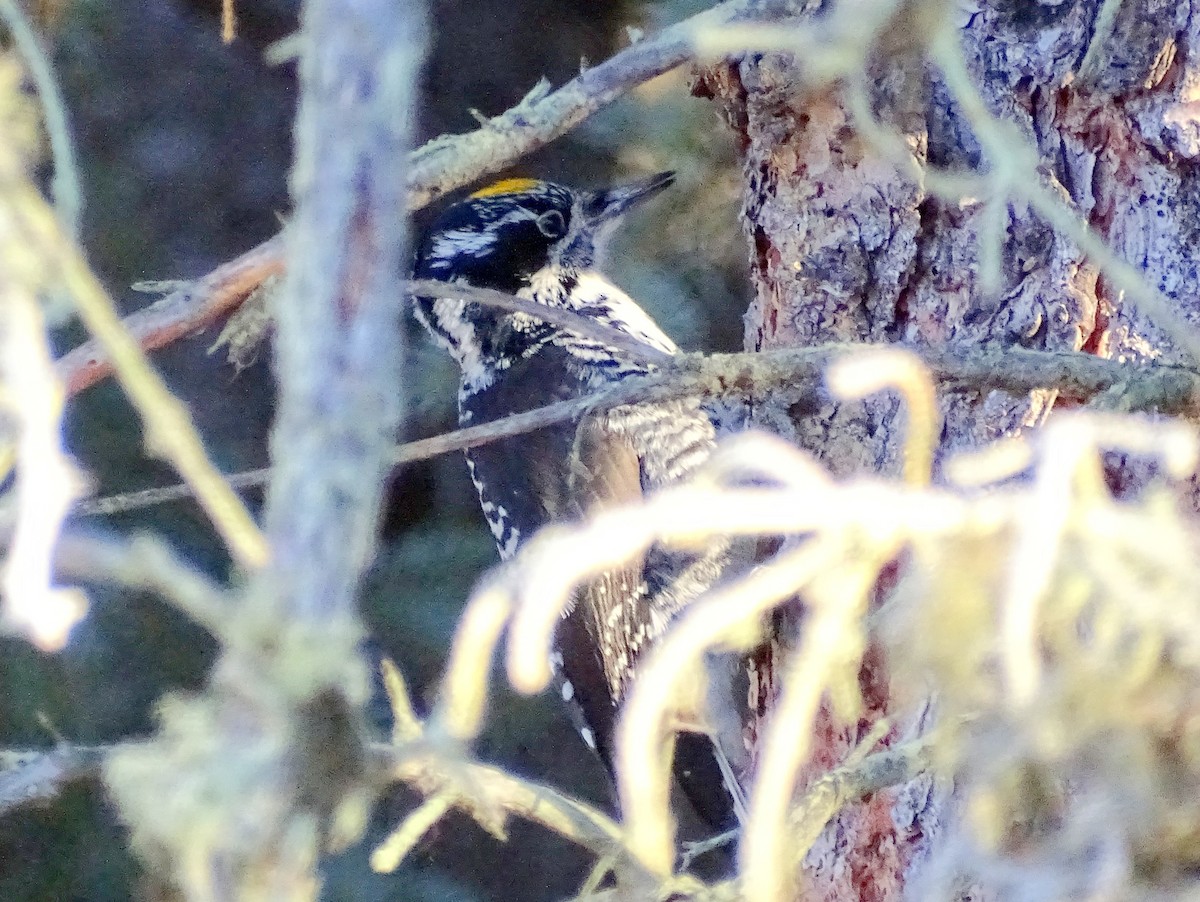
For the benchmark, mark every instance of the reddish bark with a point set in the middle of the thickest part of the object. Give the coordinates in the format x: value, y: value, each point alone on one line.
x: 182, y: 312
x: 843, y: 247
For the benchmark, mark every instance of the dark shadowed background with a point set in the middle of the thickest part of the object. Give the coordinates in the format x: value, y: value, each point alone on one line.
x: 184, y: 146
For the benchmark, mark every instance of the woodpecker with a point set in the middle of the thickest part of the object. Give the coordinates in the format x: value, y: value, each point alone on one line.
x: 543, y: 242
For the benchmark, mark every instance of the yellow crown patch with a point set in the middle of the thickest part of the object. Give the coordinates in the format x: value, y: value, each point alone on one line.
x: 507, y: 186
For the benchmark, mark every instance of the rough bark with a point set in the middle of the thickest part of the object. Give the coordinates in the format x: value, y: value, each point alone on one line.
x: 846, y: 246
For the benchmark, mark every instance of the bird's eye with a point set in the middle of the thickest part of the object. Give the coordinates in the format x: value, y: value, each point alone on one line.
x: 552, y: 224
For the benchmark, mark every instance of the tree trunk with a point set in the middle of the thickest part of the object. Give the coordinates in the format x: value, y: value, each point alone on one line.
x: 846, y: 246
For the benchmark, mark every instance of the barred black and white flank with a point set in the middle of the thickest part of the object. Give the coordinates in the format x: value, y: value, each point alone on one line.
x: 540, y: 241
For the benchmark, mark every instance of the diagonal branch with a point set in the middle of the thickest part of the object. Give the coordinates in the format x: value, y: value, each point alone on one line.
x: 447, y: 163
x: 178, y: 314
x: 339, y: 345
x: 31, y: 226
x: 555, y: 316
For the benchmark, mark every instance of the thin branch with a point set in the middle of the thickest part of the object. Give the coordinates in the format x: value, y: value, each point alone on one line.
x: 189, y: 309
x: 633, y: 391
x: 1163, y: 388
x: 440, y: 166
x: 406, y: 726
x: 446, y: 778
x: 555, y: 316
x: 832, y: 791
x: 36, y: 776
x: 145, y: 563
x: 386, y: 857
x: 196, y: 305
x: 431, y: 773
x: 449, y: 162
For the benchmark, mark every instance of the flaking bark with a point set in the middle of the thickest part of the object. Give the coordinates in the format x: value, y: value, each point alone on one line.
x: 846, y: 246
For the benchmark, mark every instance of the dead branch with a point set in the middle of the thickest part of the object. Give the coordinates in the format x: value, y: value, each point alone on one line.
x: 448, y: 162
x: 555, y: 316
x: 280, y: 718
x: 339, y: 342
x: 189, y: 309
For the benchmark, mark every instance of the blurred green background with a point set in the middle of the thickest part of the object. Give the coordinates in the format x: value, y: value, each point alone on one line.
x: 184, y: 147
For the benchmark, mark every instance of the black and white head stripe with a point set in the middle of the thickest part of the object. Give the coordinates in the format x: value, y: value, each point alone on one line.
x: 497, y: 237
x: 534, y: 239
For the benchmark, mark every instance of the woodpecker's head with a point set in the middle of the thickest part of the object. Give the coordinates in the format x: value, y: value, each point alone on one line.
x: 518, y: 234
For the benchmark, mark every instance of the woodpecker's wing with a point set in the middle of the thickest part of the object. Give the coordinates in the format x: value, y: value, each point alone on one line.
x: 566, y: 473
x: 563, y: 473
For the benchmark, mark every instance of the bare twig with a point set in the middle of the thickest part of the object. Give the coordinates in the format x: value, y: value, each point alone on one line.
x: 37, y: 777
x: 448, y: 162
x: 439, y: 770
x: 184, y: 311
x: 1164, y: 388
x: 556, y: 316
x: 406, y: 726
x: 535, y: 802
x: 145, y: 563
x: 168, y: 427
x: 832, y: 791
x: 387, y: 856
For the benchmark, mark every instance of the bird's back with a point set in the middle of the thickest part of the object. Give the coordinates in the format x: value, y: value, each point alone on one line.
x: 567, y: 471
